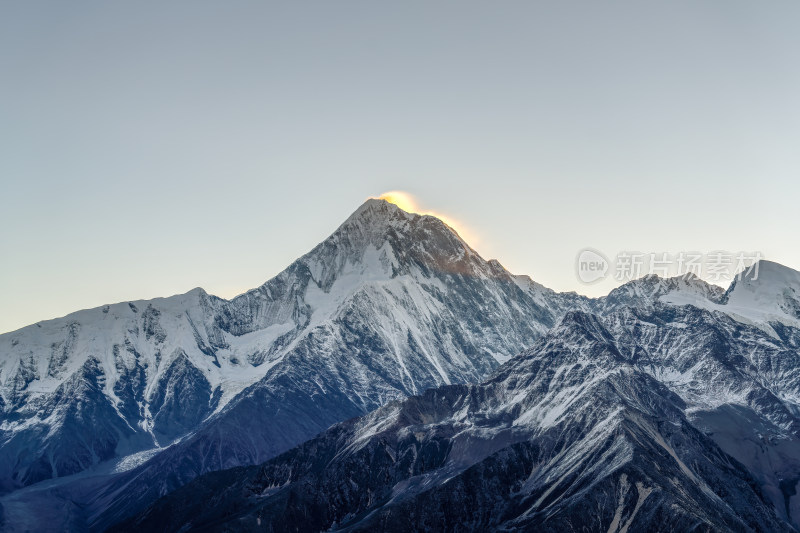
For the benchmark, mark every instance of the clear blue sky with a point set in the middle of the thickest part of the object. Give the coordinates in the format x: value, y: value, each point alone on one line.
x: 147, y: 148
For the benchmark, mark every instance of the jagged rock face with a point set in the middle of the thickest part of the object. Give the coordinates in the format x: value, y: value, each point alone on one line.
x: 389, y: 305
x: 181, y: 401
x: 741, y: 385
x: 76, y: 404
x: 571, y: 435
x: 421, y: 310
x: 645, y: 292
x: 109, y: 365
x: 585, y: 424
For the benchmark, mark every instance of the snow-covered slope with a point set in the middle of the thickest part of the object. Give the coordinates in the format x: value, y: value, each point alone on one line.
x: 768, y: 295
x: 106, y: 381
x: 773, y: 296
x: 574, y: 435
x: 648, y: 290
x: 429, y: 312
x: 390, y: 304
x: 603, y: 414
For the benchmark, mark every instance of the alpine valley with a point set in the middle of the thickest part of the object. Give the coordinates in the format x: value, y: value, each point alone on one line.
x: 393, y: 380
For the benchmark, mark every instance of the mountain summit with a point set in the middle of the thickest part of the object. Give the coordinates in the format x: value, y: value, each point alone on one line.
x: 128, y: 402
x: 390, y: 304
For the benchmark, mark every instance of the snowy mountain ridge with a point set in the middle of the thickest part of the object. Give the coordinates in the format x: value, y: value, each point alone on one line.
x: 574, y: 434
x: 771, y: 293
x: 391, y: 304
x: 130, y: 363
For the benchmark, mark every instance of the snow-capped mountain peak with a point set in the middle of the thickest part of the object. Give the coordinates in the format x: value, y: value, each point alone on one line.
x: 769, y: 289
x: 766, y: 295
x: 649, y: 289
x: 391, y: 303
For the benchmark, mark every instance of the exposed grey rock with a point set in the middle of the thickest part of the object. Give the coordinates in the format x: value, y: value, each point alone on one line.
x: 570, y: 436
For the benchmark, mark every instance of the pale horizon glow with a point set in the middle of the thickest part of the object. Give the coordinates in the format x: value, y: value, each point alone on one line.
x: 149, y: 148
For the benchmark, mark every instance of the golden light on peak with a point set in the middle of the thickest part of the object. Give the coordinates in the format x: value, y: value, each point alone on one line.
x: 401, y: 199
x: 408, y: 203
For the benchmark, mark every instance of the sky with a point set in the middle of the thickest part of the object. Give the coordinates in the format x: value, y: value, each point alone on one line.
x: 147, y: 148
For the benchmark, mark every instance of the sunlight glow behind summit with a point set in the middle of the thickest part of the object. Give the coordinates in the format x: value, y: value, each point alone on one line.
x: 407, y: 202
x: 401, y: 199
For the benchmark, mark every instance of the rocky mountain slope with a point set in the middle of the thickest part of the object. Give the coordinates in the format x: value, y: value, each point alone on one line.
x: 390, y: 304
x: 574, y: 435
x: 730, y: 370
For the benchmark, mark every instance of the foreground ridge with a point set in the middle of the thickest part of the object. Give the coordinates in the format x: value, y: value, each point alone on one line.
x: 567, y: 436
x: 108, y: 410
